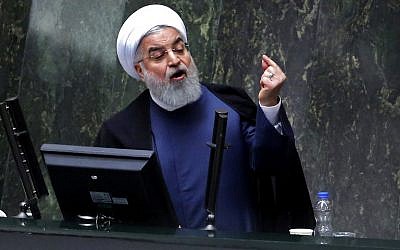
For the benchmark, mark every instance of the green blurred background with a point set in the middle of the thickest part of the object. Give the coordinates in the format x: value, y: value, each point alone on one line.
x: 342, y: 93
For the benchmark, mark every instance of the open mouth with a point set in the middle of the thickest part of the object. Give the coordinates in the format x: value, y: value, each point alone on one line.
x: 178, y: 75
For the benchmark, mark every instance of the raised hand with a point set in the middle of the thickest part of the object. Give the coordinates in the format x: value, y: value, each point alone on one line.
x: 271, y: 82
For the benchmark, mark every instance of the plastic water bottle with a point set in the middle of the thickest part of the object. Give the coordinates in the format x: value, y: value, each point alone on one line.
x: 323, y: 215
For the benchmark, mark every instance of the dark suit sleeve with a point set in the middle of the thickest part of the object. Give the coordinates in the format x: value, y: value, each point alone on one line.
x: 283, y: 197
x: 270, y: 147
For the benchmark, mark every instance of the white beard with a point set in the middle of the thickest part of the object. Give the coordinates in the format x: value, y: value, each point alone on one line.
x: 171, y: 95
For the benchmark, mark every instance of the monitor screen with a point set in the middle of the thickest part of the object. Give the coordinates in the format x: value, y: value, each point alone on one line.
x: 124, y: 184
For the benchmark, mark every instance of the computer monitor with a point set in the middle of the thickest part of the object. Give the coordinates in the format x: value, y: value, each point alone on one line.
x: 124, y: 184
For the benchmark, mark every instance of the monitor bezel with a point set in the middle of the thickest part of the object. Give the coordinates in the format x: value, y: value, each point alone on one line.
x: 110, y: 165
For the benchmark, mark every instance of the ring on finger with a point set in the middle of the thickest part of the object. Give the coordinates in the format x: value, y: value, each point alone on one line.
x: 270, y: 75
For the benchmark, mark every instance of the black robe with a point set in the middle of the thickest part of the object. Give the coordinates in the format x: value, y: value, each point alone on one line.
x: 282, y: 196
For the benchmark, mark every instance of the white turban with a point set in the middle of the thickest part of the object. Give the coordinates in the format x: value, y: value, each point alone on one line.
x: 137, y: 25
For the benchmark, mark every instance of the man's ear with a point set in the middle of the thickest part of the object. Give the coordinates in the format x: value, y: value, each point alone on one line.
x: 139, y: 70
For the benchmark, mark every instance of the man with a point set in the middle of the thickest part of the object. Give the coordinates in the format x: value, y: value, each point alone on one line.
x: 261, y: 186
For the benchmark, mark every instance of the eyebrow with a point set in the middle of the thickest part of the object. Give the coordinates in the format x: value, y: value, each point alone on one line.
x: 154, y: 48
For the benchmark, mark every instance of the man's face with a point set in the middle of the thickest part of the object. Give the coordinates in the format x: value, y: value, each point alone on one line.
x: 168, y: 70
x: 163, y: 52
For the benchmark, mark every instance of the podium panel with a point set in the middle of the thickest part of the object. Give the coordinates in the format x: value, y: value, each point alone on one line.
x: 29, y: 234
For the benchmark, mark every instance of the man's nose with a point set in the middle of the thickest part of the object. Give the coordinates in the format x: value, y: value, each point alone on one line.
x: 172, y: 58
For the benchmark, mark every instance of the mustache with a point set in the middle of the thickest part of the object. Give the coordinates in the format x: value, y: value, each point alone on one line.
x: 181, y: 69
x: 173, y: 95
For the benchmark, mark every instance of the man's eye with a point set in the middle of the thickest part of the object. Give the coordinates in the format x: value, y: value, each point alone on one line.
x: 179, y: 50
x: 158, y: 54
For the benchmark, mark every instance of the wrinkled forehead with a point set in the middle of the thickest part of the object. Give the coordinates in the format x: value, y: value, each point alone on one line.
x: 160, y: 37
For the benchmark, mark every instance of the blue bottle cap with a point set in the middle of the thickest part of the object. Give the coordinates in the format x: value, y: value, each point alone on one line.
x: 323, y: 195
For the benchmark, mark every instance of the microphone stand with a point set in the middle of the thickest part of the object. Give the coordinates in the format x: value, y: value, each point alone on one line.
x: 24, y: 157
x: 216, y: 156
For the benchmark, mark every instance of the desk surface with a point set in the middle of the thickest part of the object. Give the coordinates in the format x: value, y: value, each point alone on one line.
x: 31, y: 234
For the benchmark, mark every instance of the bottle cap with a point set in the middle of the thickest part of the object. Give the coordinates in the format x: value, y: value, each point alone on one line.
x: 323, y: 195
